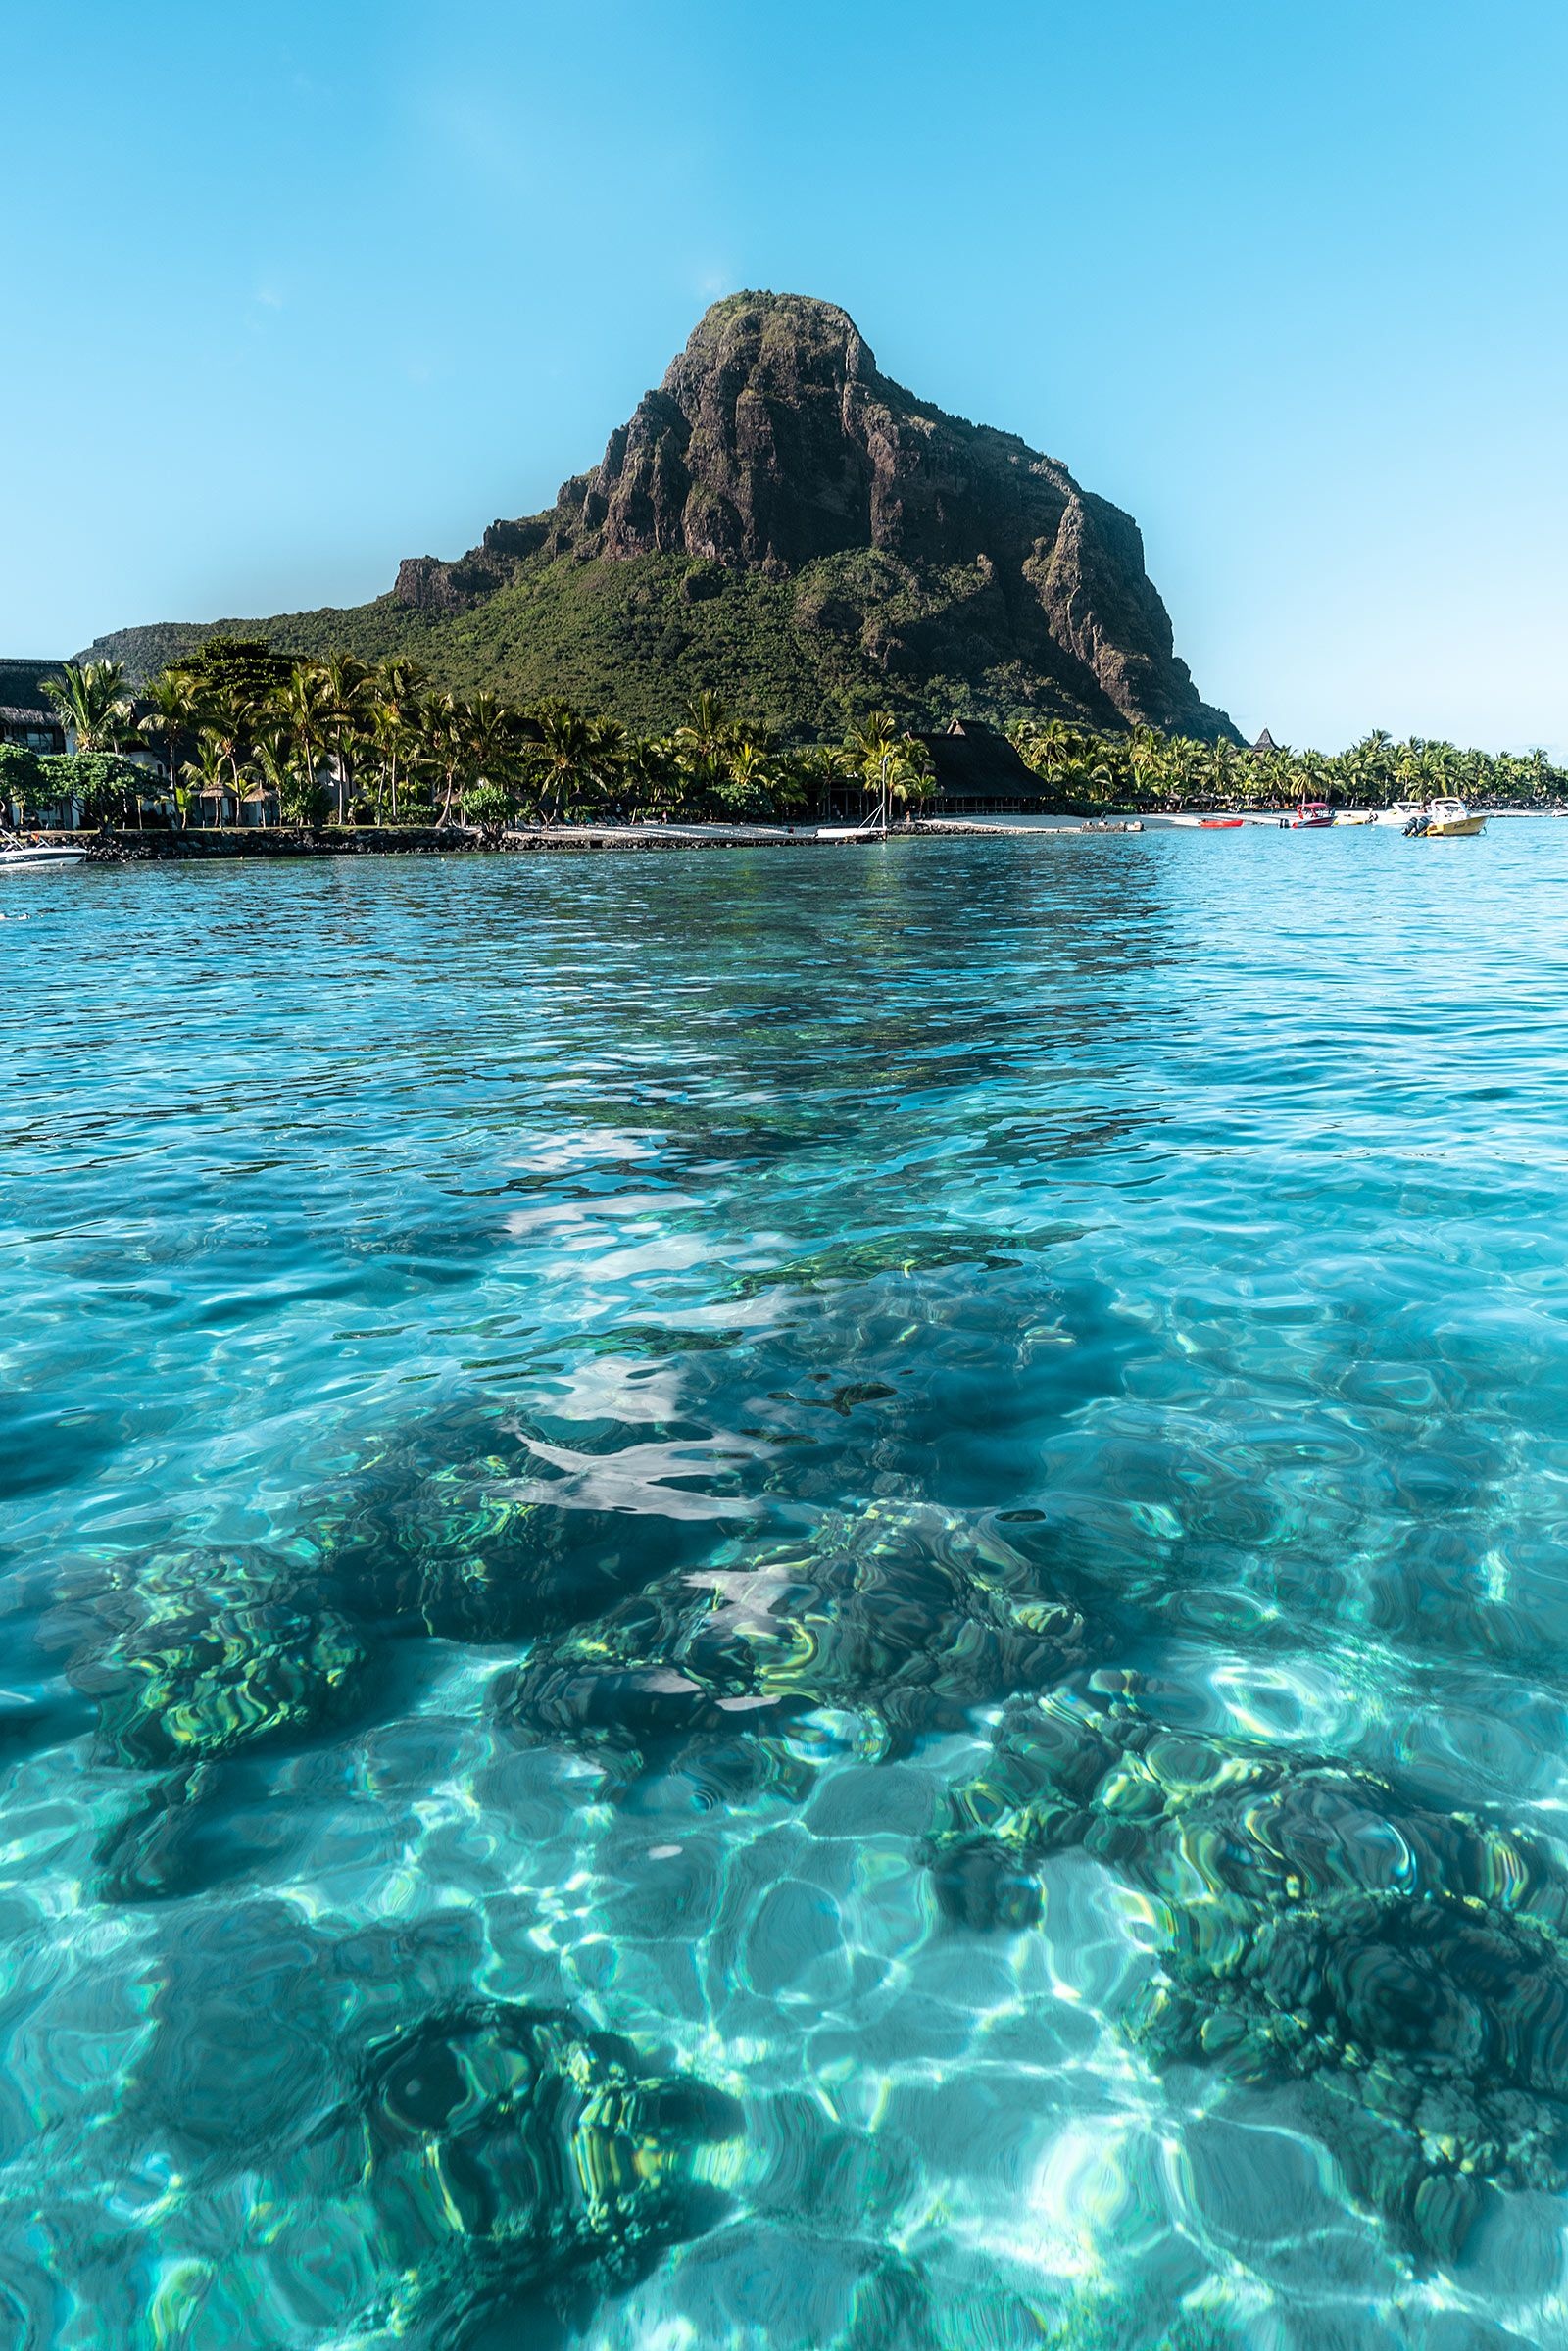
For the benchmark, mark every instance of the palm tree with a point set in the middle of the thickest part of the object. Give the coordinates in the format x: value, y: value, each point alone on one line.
x: 395, y: 694
x: 825, y: 767
x: 706, y: 728
x: 441, y: 744
x: 608, y: 757
x: 171, y: 717
x: 870, y: 744
x: 891, y: 764
x: 209, y: 771
x: 650, y: 776
x: 1052, y: 747
x: 1183, y: 763
x: 1222, y: 770
x: 872, y: 739
x: 90, y: 702
x: 487, y: 731
x: 907, y: 773
x: 751, y: 780
x: 351, y: 688
x: 707, y: 737
x: 274, y: 760
x: 562, y: 761
x: 230, y: 716
x: 305, y: 707
x: 1373, y: 765
x: 1145, y: 754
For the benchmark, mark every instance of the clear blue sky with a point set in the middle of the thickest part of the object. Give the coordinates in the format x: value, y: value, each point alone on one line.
x: 295, y: 290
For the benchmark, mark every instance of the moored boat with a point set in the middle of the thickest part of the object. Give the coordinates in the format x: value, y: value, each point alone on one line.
x: 1445, y: 820
x: 33, y: 853
x: 1313, y: 816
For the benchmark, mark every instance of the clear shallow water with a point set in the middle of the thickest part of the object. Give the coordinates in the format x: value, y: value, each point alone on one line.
x: 865, y: 1472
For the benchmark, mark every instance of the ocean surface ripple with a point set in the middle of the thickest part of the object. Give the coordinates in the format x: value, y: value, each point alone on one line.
x: 771, y: 1601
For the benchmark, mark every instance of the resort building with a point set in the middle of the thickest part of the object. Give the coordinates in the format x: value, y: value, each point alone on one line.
x: 26, y: 717
x: 978, y: 773
x: 29, y: 722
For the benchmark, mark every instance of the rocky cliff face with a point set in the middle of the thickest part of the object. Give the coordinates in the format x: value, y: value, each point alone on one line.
x: 776, y: 445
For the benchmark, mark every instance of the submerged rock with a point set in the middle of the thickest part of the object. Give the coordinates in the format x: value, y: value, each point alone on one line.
x: 448, y: 1533
x: 1407, y: 1963
x: 1201, y: 1817
x: 903, y: 1617
x: 1433, y: 2033
x: 206, y: 1653
x: 509, y: 2151
x: 191, y: 1659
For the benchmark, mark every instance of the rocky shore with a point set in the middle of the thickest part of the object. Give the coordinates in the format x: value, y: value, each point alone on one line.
x: 129, y: 847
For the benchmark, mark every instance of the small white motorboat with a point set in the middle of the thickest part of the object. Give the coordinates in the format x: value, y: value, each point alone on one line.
x: 1402, y: 812
x: 37, y: 853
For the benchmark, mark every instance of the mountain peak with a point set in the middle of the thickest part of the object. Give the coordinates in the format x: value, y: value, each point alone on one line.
x: 758, y: 325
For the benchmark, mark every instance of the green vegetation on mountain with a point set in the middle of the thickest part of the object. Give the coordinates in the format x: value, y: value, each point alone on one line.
x: 637, y: 638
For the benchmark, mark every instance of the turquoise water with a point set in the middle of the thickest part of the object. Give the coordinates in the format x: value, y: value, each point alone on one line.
x: 788, y: 1600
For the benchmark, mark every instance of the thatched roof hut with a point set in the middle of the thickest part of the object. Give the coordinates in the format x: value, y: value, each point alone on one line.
x: 21, y: 684
x: 976, y: 768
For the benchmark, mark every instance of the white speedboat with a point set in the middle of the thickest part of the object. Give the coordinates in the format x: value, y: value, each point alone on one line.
x: 1402, y: 812
x: 37, y: 853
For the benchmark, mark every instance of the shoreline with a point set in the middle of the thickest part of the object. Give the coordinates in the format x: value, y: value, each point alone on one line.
x: 128, y: 846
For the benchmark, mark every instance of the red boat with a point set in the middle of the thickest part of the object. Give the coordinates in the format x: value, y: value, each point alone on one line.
x: 1310, y: 816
